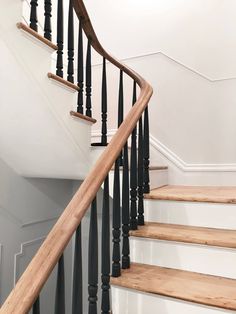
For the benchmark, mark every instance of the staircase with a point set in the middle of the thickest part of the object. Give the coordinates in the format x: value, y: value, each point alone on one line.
x: 184, y: 256
x: 176, y: 252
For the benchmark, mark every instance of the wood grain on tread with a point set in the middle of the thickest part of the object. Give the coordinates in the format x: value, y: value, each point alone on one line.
x: 187, y: 234
x: 212, y: 194
x: 188, y: 286
x: 30, y: 31
x: 62, y: 81
x: 81, y: 116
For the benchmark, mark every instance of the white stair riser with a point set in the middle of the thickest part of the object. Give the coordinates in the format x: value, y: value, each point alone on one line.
x: 125, y: 301
x: 191, y: 213
x: 197, y: 258
x: 158, y: 178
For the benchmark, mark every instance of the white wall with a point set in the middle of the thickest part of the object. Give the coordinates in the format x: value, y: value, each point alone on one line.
x: 188, y: 53
x: 188, y: 50
x: 198, y: 33
x: 28, y: 210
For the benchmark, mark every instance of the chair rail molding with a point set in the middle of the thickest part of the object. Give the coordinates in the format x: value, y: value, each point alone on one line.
x: 159, y: 147
x: 22, y: 253
x: 171, y: 58
x: 24, y: 224
x: 162, y: 53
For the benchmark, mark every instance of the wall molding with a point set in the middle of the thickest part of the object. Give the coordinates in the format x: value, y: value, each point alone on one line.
x: 20, y: 254
x: 145, y: 55
x: 39, y: 221
x: 188, y: 167
x: 175, y: 159
x: 20, y: 223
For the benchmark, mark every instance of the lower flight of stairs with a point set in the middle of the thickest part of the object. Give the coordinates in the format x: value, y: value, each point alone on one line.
x: 183, y: 259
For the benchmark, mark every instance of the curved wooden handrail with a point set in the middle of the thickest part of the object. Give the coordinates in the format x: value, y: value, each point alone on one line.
x: 31, y: 282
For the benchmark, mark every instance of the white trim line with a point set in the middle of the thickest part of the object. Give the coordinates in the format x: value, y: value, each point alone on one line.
x: 188, y: 167
x: 212, y: 80
x: 175, y: 159
x: 21, y: 253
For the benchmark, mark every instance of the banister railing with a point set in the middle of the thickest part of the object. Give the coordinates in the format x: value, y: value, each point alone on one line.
x: 128, y: 207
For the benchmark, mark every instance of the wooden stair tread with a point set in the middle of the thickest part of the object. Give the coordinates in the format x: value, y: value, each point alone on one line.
x: 187, y: 234
x: 62, y: 81
x: 188, y: 286
x: 33, y: 33
x: 212, y: 194
x: 83, y: 117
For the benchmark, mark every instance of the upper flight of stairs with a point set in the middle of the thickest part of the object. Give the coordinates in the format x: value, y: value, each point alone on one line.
x: 40, y: 114
x: 182, y: 260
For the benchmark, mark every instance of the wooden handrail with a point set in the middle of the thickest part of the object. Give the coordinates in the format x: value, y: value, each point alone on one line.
x: 31, y: 282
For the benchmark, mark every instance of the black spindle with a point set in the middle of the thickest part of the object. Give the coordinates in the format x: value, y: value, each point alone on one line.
x: 125, y: 210
x: 60, y: 289
x: 47, y: 19
x: 93, y: 260
x: 80, y: 73
x: 105, y: 305
x: 33, y: 15
x: 36, y: 306
x: 133, y: 173
x: 116, y: 222
x: 121, y: 109
x: 104, y: 104
x: 70, y: 69
x: 146, y: 153
x: 140, y: 174
x: 77, y: 294
x: 60, y: 36
x: 88, y: 81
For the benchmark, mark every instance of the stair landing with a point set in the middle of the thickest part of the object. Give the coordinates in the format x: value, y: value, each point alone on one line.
x: 188, y: 286
x: 211, y: 194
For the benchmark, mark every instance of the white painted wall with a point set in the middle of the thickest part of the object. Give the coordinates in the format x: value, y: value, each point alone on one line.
x: 28, y: 210
x: 186, y: 51
x: 198, y: 33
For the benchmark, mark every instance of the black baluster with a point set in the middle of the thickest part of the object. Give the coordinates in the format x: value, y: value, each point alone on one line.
x: 133, y: 173
x: 121, y: 109
x: 33, y: 15
x: 77, y: 294
x: 88, y: 81
x: 93, y: 260
x: 80, y: 73
x: 104, y: 104
x: 146, y: 153
x: 125, y: 210
x: 105, y: 306
x: 47, y: 19
x: 60, y: 36
x: 36, y: 306
x: 60, y: 289
x: 140, y: 174
x: 116, y: 222
x: 70, y: 69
